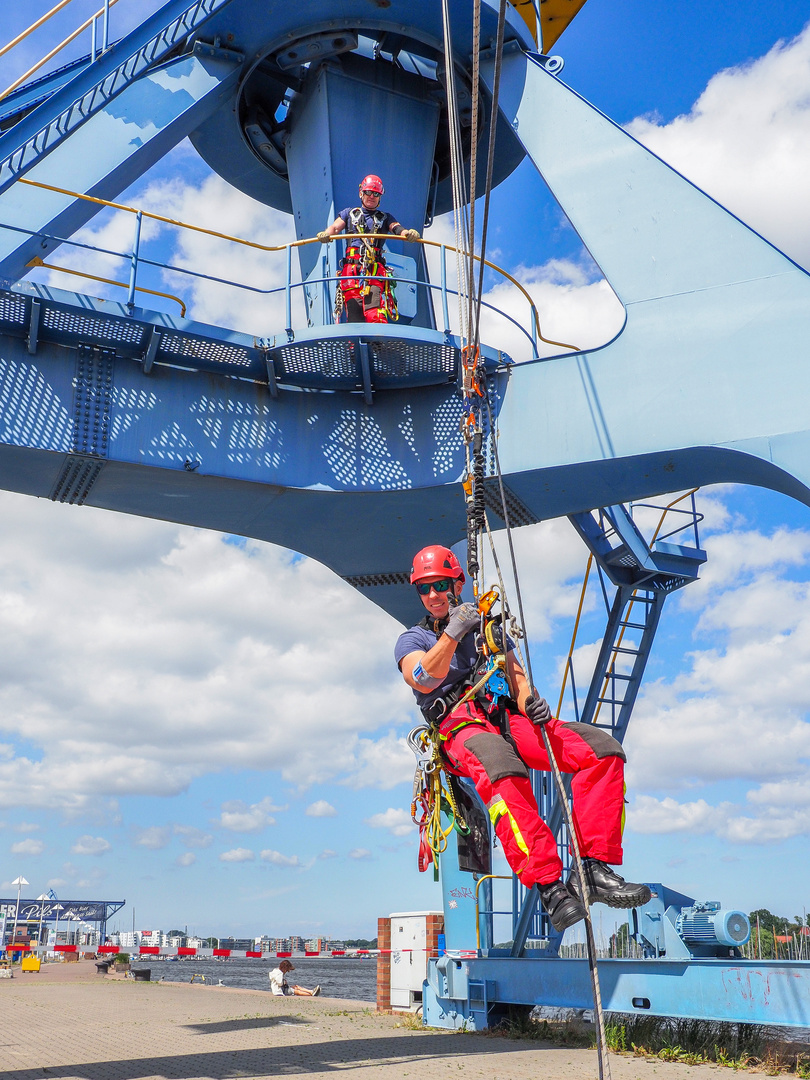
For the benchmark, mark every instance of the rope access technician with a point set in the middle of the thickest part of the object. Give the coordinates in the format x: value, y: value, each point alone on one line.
x: 366, y: 288
x: 493, y: 742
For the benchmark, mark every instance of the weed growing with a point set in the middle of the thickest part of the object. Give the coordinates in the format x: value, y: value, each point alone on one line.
x: 691, y: 1042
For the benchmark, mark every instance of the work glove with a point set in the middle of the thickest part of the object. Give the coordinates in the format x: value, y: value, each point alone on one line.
x: 411, y: 234
x: 538, y: 711
x: 463, y: 619
x: 324, y: 237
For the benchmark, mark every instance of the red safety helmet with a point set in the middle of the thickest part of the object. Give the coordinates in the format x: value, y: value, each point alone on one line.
x: 372, y: 183
x: 435, y: 562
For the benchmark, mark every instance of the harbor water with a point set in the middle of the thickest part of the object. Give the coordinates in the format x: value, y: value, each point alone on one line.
x: 338, y: 976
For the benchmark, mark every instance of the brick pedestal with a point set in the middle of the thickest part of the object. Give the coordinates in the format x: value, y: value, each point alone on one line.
x: 435, y: 926
x: 384, y: 965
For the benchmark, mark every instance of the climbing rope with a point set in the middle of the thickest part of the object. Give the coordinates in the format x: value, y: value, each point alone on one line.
x: 477, y: 404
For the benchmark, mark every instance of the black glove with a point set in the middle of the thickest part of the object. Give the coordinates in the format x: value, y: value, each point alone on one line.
x: 537, y: 710
x: 463, y: 619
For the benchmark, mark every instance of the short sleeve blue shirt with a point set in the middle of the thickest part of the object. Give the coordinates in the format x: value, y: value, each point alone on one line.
x: 368, y: 219
x: 419, y: 639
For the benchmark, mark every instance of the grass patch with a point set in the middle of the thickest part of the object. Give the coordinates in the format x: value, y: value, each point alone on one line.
x: 691, y: 1042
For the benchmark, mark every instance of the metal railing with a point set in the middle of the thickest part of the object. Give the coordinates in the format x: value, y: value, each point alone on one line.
x: 103, y: 13
x: 135, y: 260
x: 479, y: 911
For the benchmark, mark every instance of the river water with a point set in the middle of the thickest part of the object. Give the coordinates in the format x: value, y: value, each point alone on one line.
x: 338, y: 976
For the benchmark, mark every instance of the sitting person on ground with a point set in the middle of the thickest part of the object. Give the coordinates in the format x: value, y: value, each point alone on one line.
x: 492, y: 742
x: 366, y: 289
x: 281, y: 988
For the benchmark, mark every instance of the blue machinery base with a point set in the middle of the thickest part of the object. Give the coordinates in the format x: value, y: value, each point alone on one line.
x: 471, y: 994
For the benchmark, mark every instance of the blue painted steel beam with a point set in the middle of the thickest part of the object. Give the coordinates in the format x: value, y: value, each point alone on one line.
x: 117, y: 144
x: 716, y: 318
x: 737, y: 991
x: 66, y: 110
x: 15, y: 105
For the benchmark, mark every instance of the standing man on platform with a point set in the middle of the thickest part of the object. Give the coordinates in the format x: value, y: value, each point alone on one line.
x: 492, y: 742
x: 366, y: 289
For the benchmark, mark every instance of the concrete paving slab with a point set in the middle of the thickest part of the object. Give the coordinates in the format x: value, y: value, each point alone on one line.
x: 69, y: 1023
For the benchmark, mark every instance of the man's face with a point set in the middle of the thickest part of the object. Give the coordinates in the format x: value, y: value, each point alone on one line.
x: 437, y: 599
x: 369, y: 199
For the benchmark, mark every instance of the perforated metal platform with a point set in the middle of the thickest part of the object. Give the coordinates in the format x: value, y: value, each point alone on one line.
x: 355, y: 357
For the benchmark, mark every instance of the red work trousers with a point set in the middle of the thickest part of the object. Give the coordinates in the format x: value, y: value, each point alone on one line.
x: 476, y: 749
x: 369, y: 301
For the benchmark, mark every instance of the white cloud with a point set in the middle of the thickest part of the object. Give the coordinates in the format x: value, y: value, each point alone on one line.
x: 171, y: 682
x: 28, y: 847
x: 188, y: 858
x: 397, y: 821
x: 327, y: 853
x: 237, y: 816
x: 321, y: 808
x: 27, y: 826
x: 192, y: 837
x: 360, y: 853
x: 237, y: 855
x: 746, y: 142
x: 91, y: 845
x: 153, y: 838
x: 277, y: 859
x: 648, y: 815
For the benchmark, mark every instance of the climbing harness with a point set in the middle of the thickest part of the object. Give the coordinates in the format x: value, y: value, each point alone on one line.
x: 363, y: 274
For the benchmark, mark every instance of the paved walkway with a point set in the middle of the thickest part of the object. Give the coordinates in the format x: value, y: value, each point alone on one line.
x: 67, y: 1022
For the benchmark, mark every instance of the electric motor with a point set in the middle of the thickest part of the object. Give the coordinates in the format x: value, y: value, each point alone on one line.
x: 706, y: 924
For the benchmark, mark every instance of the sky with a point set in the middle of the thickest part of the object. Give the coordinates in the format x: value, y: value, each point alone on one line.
x: 213, y: 728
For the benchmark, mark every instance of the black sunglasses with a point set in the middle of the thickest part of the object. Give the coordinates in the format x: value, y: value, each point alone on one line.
x: 442, y: 585
x: 371, y: 194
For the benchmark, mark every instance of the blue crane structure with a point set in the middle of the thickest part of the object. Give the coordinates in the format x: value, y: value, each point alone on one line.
x: 341, y: 441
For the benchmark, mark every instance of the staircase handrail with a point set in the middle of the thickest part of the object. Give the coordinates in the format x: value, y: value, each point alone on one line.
x: 57, y: 49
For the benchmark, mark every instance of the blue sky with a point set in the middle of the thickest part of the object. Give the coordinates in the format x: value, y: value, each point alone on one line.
x: 177, y: 731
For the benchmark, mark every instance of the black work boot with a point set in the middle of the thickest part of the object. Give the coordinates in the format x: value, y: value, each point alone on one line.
x: 561, y: 906
x: 605, y: 886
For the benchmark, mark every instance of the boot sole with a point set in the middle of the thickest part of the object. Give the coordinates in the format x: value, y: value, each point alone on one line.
x: 624, y: 902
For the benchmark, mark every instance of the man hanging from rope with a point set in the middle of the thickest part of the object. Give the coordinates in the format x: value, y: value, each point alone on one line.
x: 492, y: 745
x: 366, y: 288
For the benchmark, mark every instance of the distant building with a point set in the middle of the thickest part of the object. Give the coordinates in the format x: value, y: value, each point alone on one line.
x: 235, y: 943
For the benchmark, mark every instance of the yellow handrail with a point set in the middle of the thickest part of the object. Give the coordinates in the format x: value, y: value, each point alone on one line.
x: 53, y: 52
x: 483, y: 878
x: 36, y: 261
x: 575, y: 632
x: 294, y: 243
x: 34, y: 26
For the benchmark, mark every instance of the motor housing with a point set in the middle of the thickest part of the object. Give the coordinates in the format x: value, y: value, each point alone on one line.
x: 706, y: 923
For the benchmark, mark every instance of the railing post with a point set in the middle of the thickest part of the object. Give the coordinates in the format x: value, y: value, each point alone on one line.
x: 445, y: 313
x: 106, y: 32
x: 133, y: 263
x: 534, y: 332
x: 93, y: 41
x: 288, y: 293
